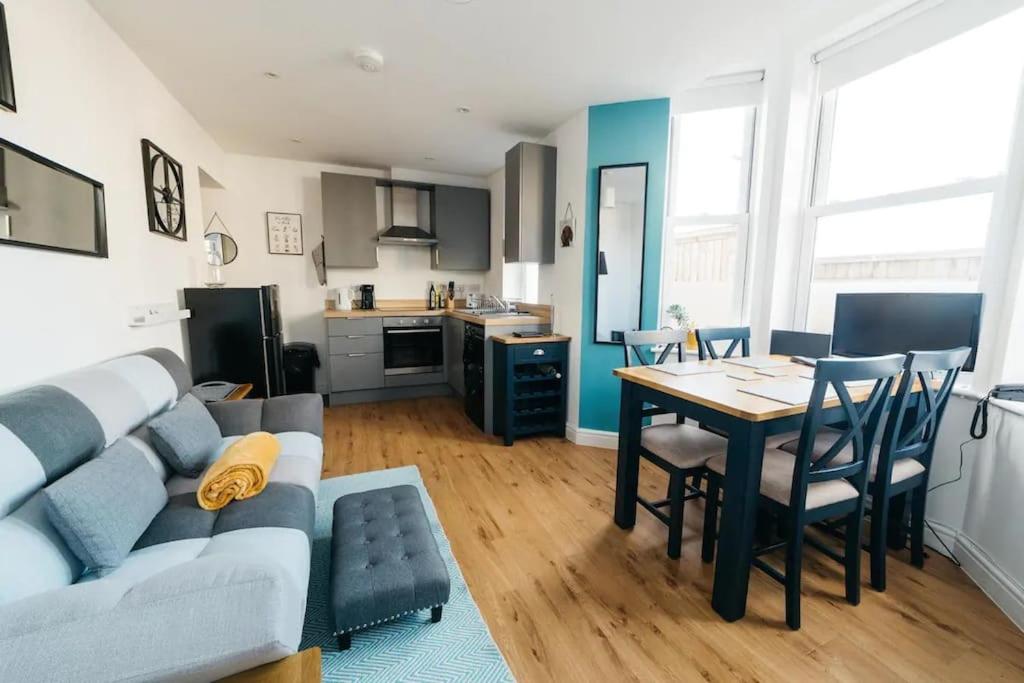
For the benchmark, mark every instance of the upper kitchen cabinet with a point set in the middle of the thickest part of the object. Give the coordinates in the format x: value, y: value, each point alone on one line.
x: 462, y: 226
x: 350, y: 220
x: 530, y: 203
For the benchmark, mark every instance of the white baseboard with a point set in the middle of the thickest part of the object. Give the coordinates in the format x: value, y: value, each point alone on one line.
x: 592, y: 437
x: 999, y: 586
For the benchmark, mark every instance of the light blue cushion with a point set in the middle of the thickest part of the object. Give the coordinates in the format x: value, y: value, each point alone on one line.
x: 103, y: 507
x: 186, y: 436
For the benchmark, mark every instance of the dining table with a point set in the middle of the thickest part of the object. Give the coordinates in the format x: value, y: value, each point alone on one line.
x: 719, y: 398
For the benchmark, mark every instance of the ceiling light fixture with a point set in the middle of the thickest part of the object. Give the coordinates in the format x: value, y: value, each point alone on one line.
x: 369, y: 60
x: 463, y: 110
x: 272, y: 75
x: 429, y: 158
x: 297, y: 141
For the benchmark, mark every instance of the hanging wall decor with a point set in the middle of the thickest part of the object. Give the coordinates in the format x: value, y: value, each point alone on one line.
x: 284, y: 233
x: 567, y: 226
x: 165, y: 192
x: 6, y: 73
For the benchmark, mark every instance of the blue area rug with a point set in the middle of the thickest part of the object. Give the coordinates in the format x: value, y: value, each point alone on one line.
x: 458, y: 648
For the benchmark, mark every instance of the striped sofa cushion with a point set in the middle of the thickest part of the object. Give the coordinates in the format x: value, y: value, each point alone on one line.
x: 48, y: 430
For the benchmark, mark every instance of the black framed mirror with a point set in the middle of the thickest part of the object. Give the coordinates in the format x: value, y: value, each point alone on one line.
x: 621, y: 218
x: 7, y: 100
x: 44, y: 205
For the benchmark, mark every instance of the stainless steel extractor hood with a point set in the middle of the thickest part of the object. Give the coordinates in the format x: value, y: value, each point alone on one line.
x: 405, y: 228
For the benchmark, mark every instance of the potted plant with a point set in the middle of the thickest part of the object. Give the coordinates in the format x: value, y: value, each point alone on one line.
x: 683, y: 322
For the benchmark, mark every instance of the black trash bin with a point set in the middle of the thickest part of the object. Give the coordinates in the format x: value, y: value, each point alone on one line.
x: 300, y: 361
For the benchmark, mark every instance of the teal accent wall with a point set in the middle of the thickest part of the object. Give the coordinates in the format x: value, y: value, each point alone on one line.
x: 622, y: 133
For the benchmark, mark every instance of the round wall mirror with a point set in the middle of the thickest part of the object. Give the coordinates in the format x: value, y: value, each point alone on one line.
x: 221, y: 249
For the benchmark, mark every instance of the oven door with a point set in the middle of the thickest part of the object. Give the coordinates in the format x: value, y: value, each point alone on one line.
x: 413, y: 350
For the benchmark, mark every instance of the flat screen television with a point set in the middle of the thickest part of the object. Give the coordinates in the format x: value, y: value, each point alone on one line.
x: 877, y: 324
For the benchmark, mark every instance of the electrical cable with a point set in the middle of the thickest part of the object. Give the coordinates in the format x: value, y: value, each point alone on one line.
x: 959, y: 476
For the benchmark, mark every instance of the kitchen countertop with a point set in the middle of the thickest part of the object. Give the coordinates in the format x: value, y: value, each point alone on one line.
x: 546, y: 339
x: 468, y: 317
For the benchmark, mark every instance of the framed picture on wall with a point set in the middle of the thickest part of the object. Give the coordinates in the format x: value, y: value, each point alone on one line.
x: 6, y: 74
x: 284, y: 233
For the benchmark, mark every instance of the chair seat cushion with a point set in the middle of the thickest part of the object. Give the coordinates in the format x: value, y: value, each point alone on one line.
x: 384, y: 559
x: 777, y: 481
x: 682, y: 446
x: 902, y: 469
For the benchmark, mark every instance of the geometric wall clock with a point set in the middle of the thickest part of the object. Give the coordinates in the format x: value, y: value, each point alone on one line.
x: 165, y: 192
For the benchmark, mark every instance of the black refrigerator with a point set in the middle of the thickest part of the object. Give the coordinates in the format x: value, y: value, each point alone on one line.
x: 234, y: 335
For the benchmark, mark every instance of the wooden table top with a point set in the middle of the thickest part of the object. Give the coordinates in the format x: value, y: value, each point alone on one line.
x: 720, y: 392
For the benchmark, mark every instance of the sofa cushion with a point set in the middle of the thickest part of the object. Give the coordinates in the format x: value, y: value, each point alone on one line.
x: 103, y: 507
x: 186, y: 436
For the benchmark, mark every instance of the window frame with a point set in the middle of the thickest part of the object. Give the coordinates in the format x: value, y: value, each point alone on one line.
x: 823, y: 126
x: 742, y: 220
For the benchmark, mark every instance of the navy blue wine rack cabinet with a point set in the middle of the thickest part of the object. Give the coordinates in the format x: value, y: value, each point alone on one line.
x: 530, y: 382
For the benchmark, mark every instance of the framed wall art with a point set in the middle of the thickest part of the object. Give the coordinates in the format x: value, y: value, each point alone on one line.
x: 165, y: 192
x: 284, y: 233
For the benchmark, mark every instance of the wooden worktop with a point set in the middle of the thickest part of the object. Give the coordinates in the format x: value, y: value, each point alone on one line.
x: 546, y: 339
x: 388, y: 308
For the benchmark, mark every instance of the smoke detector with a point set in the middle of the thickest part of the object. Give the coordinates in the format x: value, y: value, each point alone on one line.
x: 369, y: 60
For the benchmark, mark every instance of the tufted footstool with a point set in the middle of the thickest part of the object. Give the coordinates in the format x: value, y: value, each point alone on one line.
x: 384, y: 561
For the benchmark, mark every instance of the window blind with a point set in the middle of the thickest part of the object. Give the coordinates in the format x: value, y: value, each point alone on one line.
x: 915, y: 28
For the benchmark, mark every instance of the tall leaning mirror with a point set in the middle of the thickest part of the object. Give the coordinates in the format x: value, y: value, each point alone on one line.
x: 621, y: 214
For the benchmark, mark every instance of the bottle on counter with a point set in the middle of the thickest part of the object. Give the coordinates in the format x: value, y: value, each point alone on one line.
x: 432, y: 299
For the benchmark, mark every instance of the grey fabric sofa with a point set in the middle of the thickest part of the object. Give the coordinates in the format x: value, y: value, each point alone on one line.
x: 203, y: 594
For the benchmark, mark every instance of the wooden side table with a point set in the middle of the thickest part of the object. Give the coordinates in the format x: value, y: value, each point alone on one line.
x: 240, y: 392
x: 301, y: 667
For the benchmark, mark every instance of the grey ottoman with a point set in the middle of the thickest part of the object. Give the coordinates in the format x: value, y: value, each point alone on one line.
x: 384, y: 561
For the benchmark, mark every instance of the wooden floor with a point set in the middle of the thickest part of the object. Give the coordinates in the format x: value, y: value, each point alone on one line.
x: 569, y: 596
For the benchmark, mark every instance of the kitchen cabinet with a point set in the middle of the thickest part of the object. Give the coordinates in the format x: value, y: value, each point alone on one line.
x: 530, y: 203
x: 462, y: 226
x: 455, y: 331
x: 356, y: 353
x: 350, y: 220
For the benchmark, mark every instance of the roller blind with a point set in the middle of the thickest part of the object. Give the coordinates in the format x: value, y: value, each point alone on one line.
x: 913, y: 29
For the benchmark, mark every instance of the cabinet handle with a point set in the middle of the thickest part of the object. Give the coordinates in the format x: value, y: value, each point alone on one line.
x: 437, y: 256
x: 354, y: 336
x: 538, y: 352
x: 356, y: 355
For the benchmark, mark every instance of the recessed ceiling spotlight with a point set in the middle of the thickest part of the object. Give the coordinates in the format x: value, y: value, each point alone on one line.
x: 429, y: 158
x: 297, y: 141
x: 272, y: 75
x: 369, y: 60
x: 463, y: 110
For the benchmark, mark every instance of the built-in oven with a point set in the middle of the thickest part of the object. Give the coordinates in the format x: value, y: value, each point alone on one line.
x: 413, y: 346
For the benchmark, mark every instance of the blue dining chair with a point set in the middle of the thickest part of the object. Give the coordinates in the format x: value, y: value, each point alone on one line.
x: 738, y: 337
x: 681, y: 450
x: 817, y: 485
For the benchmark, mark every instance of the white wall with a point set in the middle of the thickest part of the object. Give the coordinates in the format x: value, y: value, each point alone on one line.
x: 85, y: 101
x: 255, y: 185
x: 561, y: 283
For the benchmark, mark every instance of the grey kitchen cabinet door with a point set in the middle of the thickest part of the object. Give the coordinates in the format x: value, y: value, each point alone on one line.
x: 455, y: 331
x: 530, y: 203
x: 354, y: 371
x: 350, y: 220
x: 462, y: 225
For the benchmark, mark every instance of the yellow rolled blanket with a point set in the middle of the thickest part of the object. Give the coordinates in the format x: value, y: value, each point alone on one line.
x: 241, y: 471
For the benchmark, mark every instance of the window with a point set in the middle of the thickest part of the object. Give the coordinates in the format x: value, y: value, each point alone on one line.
x: 909, y: 158
x: 707, y: 229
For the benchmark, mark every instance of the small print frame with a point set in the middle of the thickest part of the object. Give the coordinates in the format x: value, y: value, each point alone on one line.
x: 284, y: 233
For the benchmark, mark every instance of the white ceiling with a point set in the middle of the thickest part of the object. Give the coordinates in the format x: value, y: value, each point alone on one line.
x: 523, y: 66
